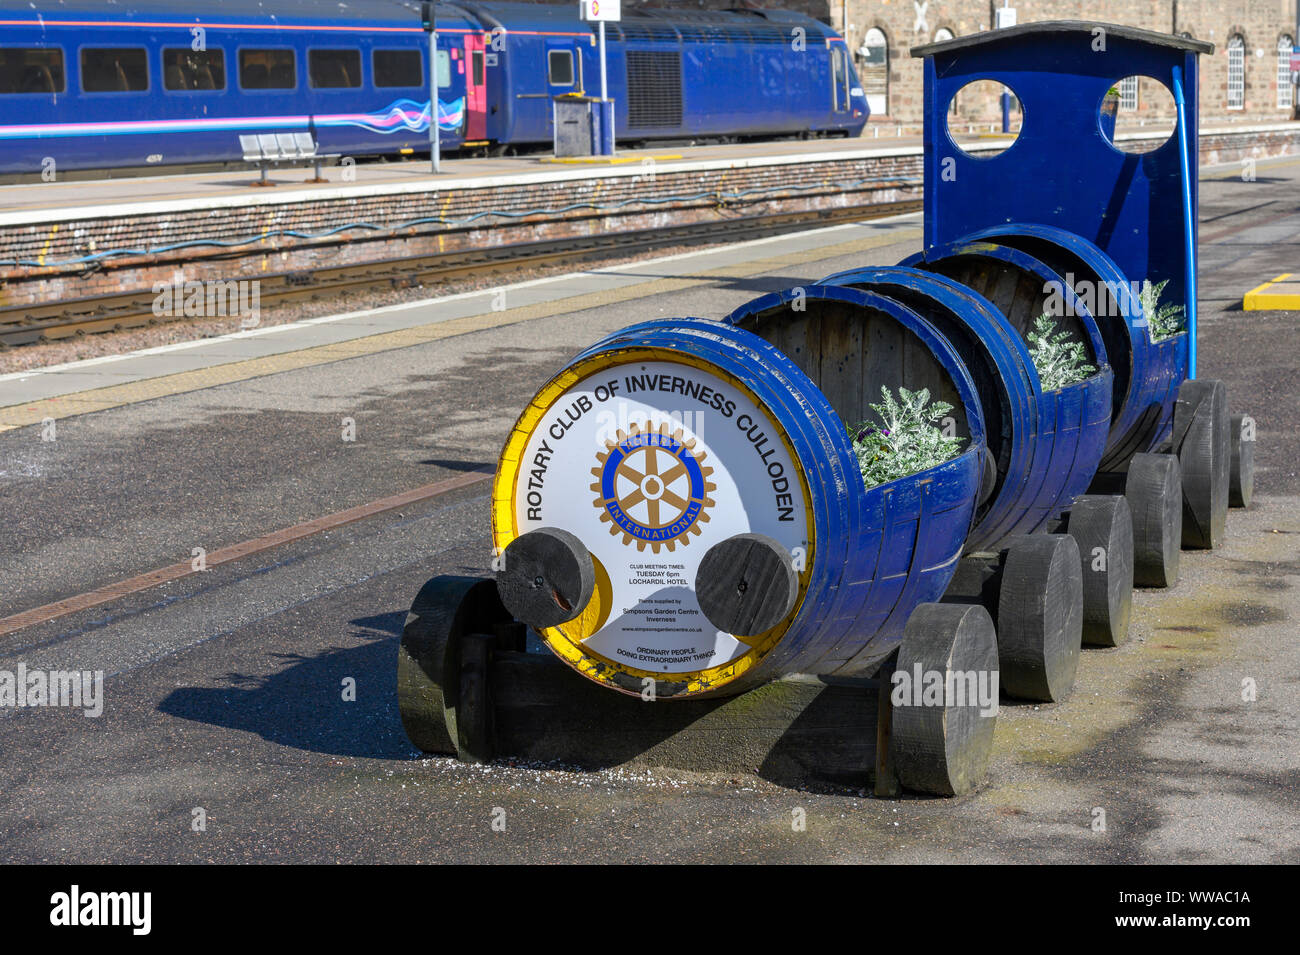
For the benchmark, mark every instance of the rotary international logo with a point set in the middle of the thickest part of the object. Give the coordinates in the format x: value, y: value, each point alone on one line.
x: 653, y: 487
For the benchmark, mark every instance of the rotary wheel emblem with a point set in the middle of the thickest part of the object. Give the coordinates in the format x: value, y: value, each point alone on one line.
x: 653, y: 487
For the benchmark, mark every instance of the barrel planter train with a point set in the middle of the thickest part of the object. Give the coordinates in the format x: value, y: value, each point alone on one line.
x: 681, y: 508
x: 679, y: 514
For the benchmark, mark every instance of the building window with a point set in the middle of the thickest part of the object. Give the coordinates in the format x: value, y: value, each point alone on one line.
x: 1128, y: 93
x: 1236, y: 72
x: 37, y: 70
x: 114, y: 70
x: 267, y: 70
x: 873, y: 68
x: 186, y: 69
x: 1285, y: 94
x: 334, y: 69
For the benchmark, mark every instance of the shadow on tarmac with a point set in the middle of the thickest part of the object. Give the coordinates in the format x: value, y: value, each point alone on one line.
x: 302, y: 705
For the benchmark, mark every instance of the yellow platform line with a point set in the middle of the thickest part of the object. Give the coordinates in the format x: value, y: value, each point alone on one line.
x: 1279, y: 294
x: 605, y: 160
x: 116, y: 396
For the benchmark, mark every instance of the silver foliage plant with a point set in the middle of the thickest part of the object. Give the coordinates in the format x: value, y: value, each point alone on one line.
x: 907, y: 438
x: 1060, y: 360
x: 1163, y: 320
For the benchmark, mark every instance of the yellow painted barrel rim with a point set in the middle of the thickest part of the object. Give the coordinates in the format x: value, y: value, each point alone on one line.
x: 568, y: 645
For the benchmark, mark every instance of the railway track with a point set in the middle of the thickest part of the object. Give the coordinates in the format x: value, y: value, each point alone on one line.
x: 33, y: 324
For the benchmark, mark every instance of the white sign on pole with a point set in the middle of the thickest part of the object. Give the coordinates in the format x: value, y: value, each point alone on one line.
x: 1006, y: 17
x: 598, y: 10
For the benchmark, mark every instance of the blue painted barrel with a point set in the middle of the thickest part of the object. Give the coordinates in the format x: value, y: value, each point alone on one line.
x: 1146, y: 373
x: 751, y: 444
x: 1046, y: 444
x: 1074, y: 420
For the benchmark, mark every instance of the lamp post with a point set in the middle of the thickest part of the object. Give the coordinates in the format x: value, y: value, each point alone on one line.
x: 429, y: 17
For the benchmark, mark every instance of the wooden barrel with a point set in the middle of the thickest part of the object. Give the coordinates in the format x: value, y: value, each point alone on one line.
x: 1146, y: 373
x: 1073, y: 421
x: 736, y: 443
x: 1042, y: 443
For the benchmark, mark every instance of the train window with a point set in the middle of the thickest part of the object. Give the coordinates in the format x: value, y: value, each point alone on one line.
x: 444, y: 69
x: 31, y: 71
x: 398, y: 68
x: 114, y: 70
x: 840, y: 78
x: 334, y: 69
x: 477, y: 60
x: 267, y: 70
x: 186, y: 69
x: 560, y: 67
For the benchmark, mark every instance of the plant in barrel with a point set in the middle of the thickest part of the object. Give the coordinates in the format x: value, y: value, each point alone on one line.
x: 1162, y: 320
x: 908, y: 438
x: 1059, y: 357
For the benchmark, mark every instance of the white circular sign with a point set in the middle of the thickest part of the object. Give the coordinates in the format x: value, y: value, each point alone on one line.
x: 650, y: 464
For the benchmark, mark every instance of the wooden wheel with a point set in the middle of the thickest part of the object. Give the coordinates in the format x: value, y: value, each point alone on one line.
x: 1241, y: 475
x: 1204, y: 449
x: 546, y: 578
x: 429, y: 657
x: 1040, y: 617
x: 1102, y: 526
x: 1154, y: 492
x: 942, y: 746
x: 746, y: 584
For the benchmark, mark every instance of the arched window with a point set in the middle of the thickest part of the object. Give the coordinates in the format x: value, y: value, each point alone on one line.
x: 1285, y: 96
x: 873, y: 69
x: 1236, y: 71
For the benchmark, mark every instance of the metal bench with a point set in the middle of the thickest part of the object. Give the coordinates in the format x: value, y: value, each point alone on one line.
x: 283, y: 149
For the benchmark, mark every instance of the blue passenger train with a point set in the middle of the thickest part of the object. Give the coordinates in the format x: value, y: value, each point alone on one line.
x: 96, y: 84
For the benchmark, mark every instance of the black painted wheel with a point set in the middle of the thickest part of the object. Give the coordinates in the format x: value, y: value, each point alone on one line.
x: 428, y: 659
x: 1040, y: 617
x: 1102, y: 526
x: 1241, y: 474
x: 1204, y: 449
x: 1154, y: 491
x: 746, y: 584
x: 944, y: 748
x: 546, y: 578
